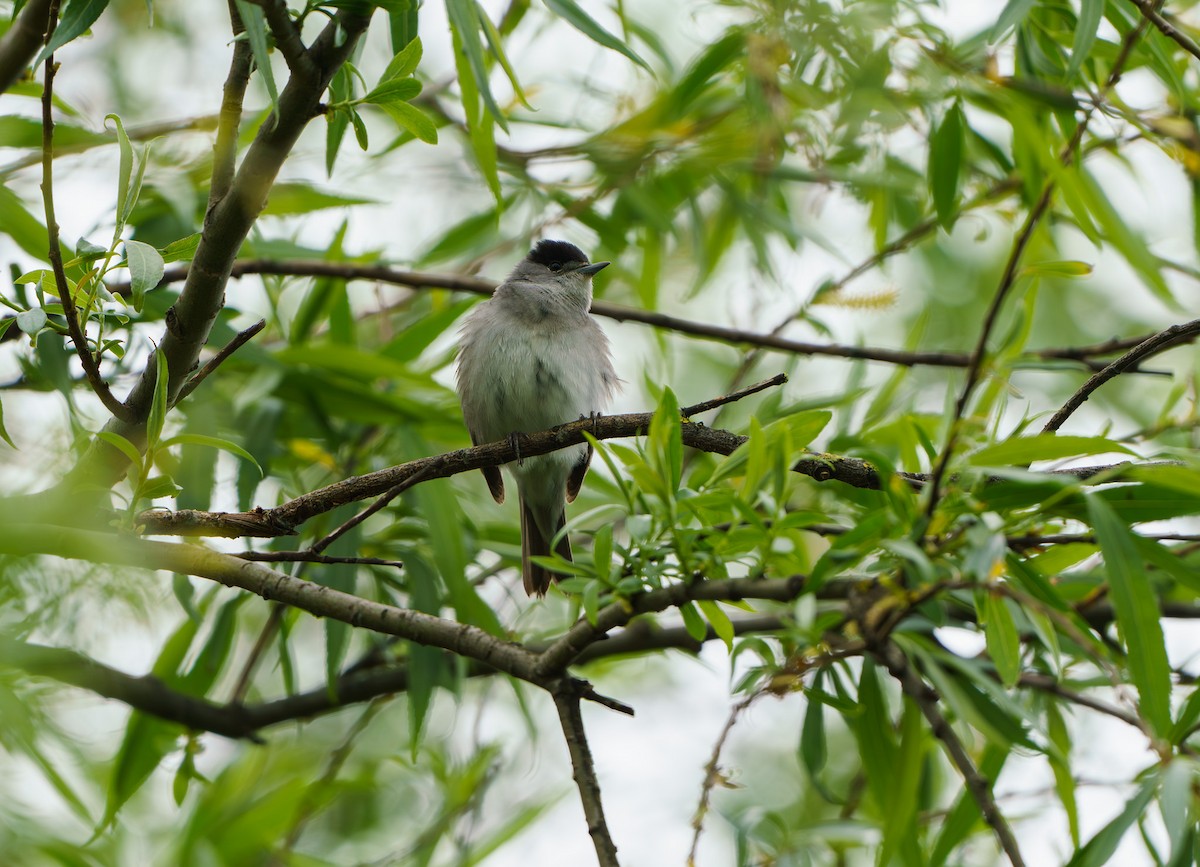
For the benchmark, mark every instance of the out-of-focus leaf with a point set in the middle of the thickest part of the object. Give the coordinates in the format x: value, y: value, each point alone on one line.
x: 464, y: 19
x: 158, y: 404
x: 3, y: 432
x: 412, y: 119
x: 255, y: 21
x: 1061, y: 269
x: 1099, y: 850
x: 296, y: 198
x: 1136, y: 607
x: 573, y: 14
x: 25, y: 132
x: 666, y: 440
x: 945, y: 164
x: 1003, y: 642
x: 1014, y: 13
x: 213, y: 442
x: 1090, y: 14
x: 693, y: 622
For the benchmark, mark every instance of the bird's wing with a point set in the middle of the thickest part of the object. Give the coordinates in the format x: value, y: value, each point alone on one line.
x: 575, y: 479
x: 492, y: 475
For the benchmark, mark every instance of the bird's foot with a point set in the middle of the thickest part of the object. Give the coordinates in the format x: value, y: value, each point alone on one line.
x: 515, y: 443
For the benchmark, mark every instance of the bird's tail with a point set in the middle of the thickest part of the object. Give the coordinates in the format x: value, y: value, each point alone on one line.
x: 535, y: 544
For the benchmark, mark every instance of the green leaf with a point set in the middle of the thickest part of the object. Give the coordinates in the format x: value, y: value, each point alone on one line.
x: 288, y: 199
x: 814, y: 747
x: 31, y: 321
x: 602, y: 552
x: 665, y: 437
x: 464, y: 20
x: 255, y: 21
x: 360, y: 129
x: 1136, y: 607
x: 1014, y: 13
x: 1003, y: 642
x: 1019, y: 451
x: 393, y: 90
x: 573, y: 14
x: 1090, y: 14
x: 693, y: 622
x: 405, y: 61
x: 158, y: 405
x: 182, y: 250
x: 146, y: 268
x: 122, y: 445
x: 718, y: 620
x: 4, y: 436
x: 77, y: 17
x: 213, y: 442
x: 480, y: 125
x: 1060, y: 269
x: 1100, y: 849
x: 945, y: 165
x: 124, y: 170
x: 414, y: 120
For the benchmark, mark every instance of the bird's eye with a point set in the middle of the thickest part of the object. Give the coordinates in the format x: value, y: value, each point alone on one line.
x: 555, y: 266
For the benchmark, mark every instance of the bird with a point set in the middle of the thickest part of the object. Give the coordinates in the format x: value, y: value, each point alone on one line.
x: 529, y: 358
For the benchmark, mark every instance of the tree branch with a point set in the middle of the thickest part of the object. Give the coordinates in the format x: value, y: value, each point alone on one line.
x: 570, y: 716
x: 227, y: 223
x: 23, y: 40
x: 1149, y: 9
x: 621, y: 313
x: 1153, y: 345
x: 287, y: 36
x: 241, y: 339
x: 321, y: 601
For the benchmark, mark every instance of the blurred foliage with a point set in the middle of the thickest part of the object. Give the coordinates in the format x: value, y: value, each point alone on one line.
x: 852, y: 171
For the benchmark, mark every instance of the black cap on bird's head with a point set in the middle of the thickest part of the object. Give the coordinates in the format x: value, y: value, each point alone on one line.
x: 560, y: 256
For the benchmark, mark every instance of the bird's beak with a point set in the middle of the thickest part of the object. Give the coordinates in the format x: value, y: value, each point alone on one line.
x: 593, y: 268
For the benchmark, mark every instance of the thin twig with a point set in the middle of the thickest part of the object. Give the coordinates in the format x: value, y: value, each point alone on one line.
x: 91, y: 367
x: 704, y: 406
x: 310, y: 557
x: 1160, y: 342
x: 570, y: 715
x: 616, y: 312
x: 712, y: 772
x: 391, y: 494
x: 240, y: 340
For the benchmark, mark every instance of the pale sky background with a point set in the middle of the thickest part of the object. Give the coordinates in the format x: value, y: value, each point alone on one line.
x: 651, y: 766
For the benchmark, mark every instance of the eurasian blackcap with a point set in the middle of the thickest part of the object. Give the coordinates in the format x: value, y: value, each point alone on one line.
x: 532, y: 357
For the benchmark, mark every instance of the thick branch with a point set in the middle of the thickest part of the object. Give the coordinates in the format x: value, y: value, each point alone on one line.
x: 22, y: 41
x: 96, y: 547
x: 227, y: 223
